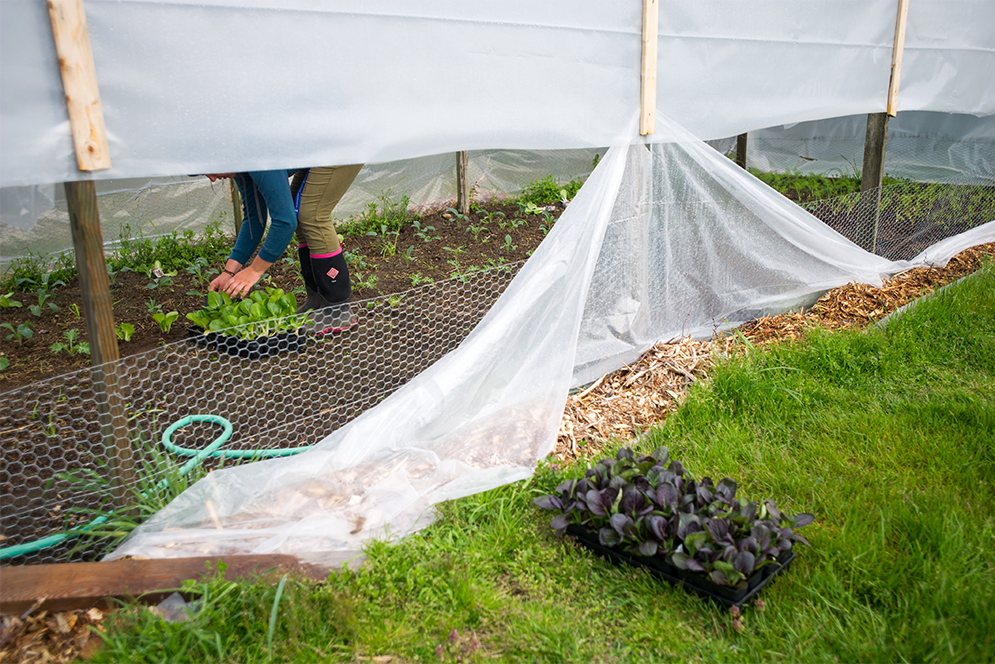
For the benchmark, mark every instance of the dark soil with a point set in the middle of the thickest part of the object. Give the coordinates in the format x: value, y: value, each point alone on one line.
x: 451, y: 250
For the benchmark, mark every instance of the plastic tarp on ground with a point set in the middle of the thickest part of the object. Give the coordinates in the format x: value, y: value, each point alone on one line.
x: 662, y: 240
x: 195, y: 86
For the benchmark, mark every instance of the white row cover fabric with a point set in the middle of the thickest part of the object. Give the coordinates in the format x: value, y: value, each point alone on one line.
x: 195, y: 86
x: 662, y: 239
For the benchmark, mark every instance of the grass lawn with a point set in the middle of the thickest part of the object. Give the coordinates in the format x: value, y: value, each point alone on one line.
x: 887, y: 436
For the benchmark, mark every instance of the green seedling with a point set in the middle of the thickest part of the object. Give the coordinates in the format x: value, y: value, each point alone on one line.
x: 4, y: 364
x: 21, y: 333
x: 476, y: 231
x: 508, y: 246
x: 43, y: 298
x: 71, y: 345
x: 153, y: 306
x: 7, y: 303
x: 462, y: 218
x: 165, y: 321
x: 124, y: 331
x: 74, y: 308
x: 409, y: 255
x: 424, y: 232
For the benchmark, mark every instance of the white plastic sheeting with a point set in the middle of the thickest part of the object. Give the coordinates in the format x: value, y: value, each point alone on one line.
x: 661, y: 240
x: 925, y: 146
x: 194, y: 86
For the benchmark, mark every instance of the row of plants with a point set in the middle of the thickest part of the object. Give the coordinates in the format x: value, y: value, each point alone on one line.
x: 650, y: 507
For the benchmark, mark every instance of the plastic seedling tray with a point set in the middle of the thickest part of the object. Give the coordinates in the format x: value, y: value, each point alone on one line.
x: 693, y: 581
x: 251, y: 349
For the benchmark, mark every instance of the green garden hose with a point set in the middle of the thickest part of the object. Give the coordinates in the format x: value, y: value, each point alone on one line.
x: 211, y: 450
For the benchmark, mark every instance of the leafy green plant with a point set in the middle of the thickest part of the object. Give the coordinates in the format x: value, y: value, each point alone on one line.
x: 77, y: 314
x: 201, y: 271
x: 476, y: 231
x: 152, y: 306
x: 43, y: 298
x: 379, y: 213
x: 124, y: 331
x: 4, y: 364
x: 508, y: 246
x: 355, y: 260
x: 165, y: 321
x: 387, y: 245
x: 362, y: 281
x: 417, y: 279
x: 409, y: 255
x: 71, y: 345
x: 547, y: 190
x: 458, y: 216
x: 649, y: 506
x: 7, y: 303
x: 424, y: 232
x: 262, y: 314
x: 21, y: 333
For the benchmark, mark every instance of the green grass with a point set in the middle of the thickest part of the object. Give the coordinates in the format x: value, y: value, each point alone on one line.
x: 886, y: 436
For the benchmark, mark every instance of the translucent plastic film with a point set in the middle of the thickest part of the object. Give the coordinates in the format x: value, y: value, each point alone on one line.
x: 194, y: 87
x: 661, y: 239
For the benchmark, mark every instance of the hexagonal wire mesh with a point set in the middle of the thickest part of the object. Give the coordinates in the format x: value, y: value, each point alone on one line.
x: 290, y: 399
x: 294, y: 398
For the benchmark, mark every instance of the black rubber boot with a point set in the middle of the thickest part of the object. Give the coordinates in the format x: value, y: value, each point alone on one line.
x: 331, y: 276
x: 313, y: 300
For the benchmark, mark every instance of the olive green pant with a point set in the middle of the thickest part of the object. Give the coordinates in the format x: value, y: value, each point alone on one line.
x: 324, y: 187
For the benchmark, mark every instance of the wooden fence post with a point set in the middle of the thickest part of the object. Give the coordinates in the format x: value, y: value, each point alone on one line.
x: 236, y: 204
x: 94, y: 283
x: 463, y: 182
x: 741, y: 150
x: 875, y: 143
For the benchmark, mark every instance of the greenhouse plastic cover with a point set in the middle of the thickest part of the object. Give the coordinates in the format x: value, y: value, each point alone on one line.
x: 663, y: 240
x: 195, y: 86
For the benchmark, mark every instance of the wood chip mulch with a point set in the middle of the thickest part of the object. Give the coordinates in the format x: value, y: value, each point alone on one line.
x: 624, y: 403
x: 46, y: 637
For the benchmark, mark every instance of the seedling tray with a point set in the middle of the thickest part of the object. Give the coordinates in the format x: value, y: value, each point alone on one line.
x: 693, y: 581
x: 251, y: 349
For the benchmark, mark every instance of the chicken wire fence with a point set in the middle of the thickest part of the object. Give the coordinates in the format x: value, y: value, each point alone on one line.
x: 52, y: 429
x: 51, y: 432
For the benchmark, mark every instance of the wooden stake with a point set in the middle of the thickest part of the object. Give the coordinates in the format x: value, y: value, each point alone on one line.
x: 647, y: 94
x: 94, y: 283
x: 741, y: 141
x: 872, y: 175
x: 79, y: 80
x: 463, y: 182
x: 236, y: 204
x: 896, y: 57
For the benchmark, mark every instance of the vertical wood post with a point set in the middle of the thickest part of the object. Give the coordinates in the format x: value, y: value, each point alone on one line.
x: 896, y: 57
x: 236, y: 204
x: 84, y: 219
x: 79, y: 81
x: 872, y: 175
x: 463, y: 182
x: 741, y: 150
x: 647, y: 88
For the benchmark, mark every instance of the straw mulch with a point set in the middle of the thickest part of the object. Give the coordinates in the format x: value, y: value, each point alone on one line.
x: 624, y: 403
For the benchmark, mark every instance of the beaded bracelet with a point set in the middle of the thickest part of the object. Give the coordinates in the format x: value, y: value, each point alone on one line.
x: 227, y: 271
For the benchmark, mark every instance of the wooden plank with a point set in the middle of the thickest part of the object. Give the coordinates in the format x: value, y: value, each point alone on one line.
x: 463, y: 182
x: 741, y: 142
x: 94, y: 283
x: 647, y: 92
x: 79, y: 80
x: 69, y: 586
x: 896, y: 56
